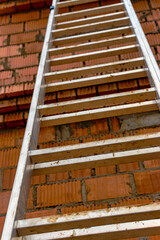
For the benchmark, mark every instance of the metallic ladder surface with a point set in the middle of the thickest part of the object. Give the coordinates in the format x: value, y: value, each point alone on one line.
x: 98, y: 31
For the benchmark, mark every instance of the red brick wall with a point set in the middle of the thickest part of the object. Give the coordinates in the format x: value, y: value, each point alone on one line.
x: 22, y: 30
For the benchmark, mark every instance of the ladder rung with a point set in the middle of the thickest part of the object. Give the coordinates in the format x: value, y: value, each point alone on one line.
x: 73, y: 3
x: 78, y: 72
x: 89, y: 20
x: 89, y: 12
x: 100, y: 113
x: 92, y: 35
x: 96, y: 80
x: 98, y: 102
x: 87, y: 219
x: 118, y: 22
x: 94, y: 148
x: 96, y: 161
x: 92, y: 45
x: 111, y: 232
x: 93, y: 55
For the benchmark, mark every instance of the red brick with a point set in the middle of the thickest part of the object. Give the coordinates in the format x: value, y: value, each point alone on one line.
x: 144, y: 83
x: 66, y: 66
x: 86, y: 92
x: 28, y: 88
x: 22, y: 17
x: 41, y: 213
x: 30, y: 199
x: 9, y: 157
x: 155, y: 3
x: 152, y: 163
x: 1, y: 121
x: 7, y: 81
x: 27, y: 71
x: 57, y: 194
x: 154, y: 237
x: 2, y: 92
x: 99, y: 126
x: 19, y: 136
x: 19, y: 62
x: 22, y: 79
x: 154, y: 16
x: 84, y: 6
x: 78, y: 131
x: 149, y: 27
x: 132, y: 202
x: 115, y: 124
x: 107, y: 88
x: 105, y: 170
x: 23, y: 37
x: 81, y: 173
x: 128, y: 167
x: 10, y: 51
x: 7, y: 8
x: 3, y: 40
x: 34, y: 25
x: 141, y: 5
x: 8, y: 105
x: 23, y: 6
x: 11, y: 28
x: 14, y: 90
x: 147, y: 182
x: 49, y: 3
x: 153, y: 39
x: 4, y: 200
x: 8, y: 178
x: 14, y: 120
x: 107, y: 187
x: 58, y: 176
x: 6, y: 74
x: 127, y: 86
x: 50, y: 98
x: 34, y: 47
x: 4, y: 19
x: 63, y: 10
x: 24, y: 102
x: 38, y: 179
x: 46, y: 134
x: 45, y: 13
x: 66, y: 95
x: 37, y: 3
x: 1, y: 224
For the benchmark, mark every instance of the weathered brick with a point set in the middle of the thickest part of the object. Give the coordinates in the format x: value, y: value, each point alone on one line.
x: 33, y: 47
x: 20, y: 62
x: 147, y: 182
x: 107, y: 187
x: 22, y: 79
x: 34, y: 25
x: 22, y: 17
x: 3, y: 40
x: 46, y: 134
x: 4, y: 199
x: 11, y: 28
x: 6, y: 74
x: 10, y: 51
x: 23, y: 37
x: 27, y: 71
x: 57, y: 194
x: 115, y: 124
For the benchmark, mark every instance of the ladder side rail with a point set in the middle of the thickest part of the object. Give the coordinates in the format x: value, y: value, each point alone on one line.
x: 19, y: 195
x: 153, y: 69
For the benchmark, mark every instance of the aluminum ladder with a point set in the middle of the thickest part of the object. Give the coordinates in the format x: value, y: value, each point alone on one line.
x: 98, y: 27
